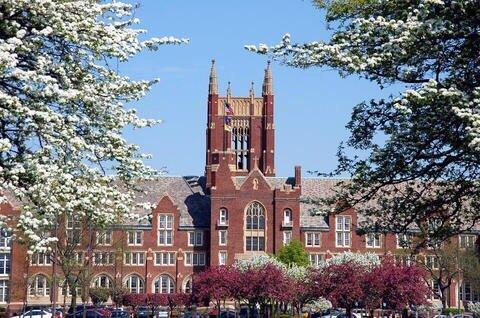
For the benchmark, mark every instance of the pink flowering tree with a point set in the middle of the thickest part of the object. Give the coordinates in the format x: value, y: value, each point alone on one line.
x: 216, y: 284
x: 135, y: 300
x: 264, y: 285
x: 154, y: 301
x: 341, y: 284
x: 395, y: 285
x: 176, y: 300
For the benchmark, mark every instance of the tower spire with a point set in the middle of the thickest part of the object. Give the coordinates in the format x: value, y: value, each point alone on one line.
x: 252, y: 89
x: 229, y: 91
x: 212, y: 85
x: 268, y: 81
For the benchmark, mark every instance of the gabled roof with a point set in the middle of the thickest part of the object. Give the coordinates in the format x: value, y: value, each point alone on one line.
x: 274, y: 182
x: 187, y: 193
x: 312, y: 188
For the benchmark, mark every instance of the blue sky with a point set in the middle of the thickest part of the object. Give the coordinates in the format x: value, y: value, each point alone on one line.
x: 312, y: 106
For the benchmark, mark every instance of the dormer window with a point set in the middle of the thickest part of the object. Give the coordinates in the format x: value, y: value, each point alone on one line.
x: 223, y: 217
x: 165, y: 229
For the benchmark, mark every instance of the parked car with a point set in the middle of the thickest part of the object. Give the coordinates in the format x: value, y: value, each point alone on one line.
x: 90, y: 313
x: 35, y: 313
x: 244, y: 313
x: 228, y: 314
x: 119, y: 313
x: 331, y: 313
x: 189, y: 314
x: 162, y: 313
x: 143, y: 312
x: 463, y: 316
x: 354, y: 315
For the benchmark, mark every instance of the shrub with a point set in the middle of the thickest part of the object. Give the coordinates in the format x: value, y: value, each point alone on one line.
x: 118, y: 295
x: 99, y: 295
x: 453, y: 311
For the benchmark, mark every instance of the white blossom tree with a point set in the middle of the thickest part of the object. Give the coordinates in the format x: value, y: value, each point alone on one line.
x: 474, y: 307
x: 63, y: 108
x: 366, y: 260
x: 421, y: 146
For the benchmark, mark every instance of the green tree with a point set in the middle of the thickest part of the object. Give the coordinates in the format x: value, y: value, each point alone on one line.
x: 293, y: 253
x: 470, y: 267
x: 99, y: 295
x: 417, y: 152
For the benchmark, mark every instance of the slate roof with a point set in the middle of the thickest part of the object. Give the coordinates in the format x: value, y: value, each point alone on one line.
x: 187, y: 194
x: 314, y: 188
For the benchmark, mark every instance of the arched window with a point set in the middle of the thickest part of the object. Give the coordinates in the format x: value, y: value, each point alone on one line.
x: 134, y: 284
x: 223, y: 216
x: 287, y: 217
x: 103, y: 281
x: 255, y: 216
x: 255, y: 227
x: 240, y: 145
x: 187, y: 285
x: 164, y: 284
x: 39, y: 286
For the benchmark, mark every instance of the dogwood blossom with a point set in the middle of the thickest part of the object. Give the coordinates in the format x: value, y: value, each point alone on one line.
x: 64, y: 106
x: 417, y: 151
x: 366, y: 260
x: 474, y: 307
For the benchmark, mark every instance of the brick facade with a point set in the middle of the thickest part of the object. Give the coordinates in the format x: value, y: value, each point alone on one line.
x: 238, y: 209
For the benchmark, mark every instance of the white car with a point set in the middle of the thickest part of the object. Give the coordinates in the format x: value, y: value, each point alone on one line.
x: 162, y: 313
x: 35, y: 313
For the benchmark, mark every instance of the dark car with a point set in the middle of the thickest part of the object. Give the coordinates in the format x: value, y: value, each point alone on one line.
x: 244, y: 313
x: 227, y: 314
x: 143, y: 312
x: 118, y: 313
x: 89, y: 313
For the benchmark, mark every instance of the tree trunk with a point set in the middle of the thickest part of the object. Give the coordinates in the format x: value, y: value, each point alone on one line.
x: 444, y: 298
x: 349, y: 312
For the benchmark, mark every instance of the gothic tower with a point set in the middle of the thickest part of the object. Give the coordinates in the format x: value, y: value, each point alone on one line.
x: 241, y: 129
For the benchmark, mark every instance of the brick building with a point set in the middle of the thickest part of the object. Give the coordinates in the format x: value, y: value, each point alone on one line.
x: 239, y: 208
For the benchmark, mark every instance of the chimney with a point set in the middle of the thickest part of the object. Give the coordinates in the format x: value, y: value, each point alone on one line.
x: 298, y: 176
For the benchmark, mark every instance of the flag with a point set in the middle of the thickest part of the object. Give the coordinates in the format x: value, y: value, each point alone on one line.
x: 228, y: 117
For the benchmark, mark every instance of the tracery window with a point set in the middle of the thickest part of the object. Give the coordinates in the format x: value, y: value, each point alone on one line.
x: 255, y: 227
x: 255, y: 217
x: 240, y: 145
